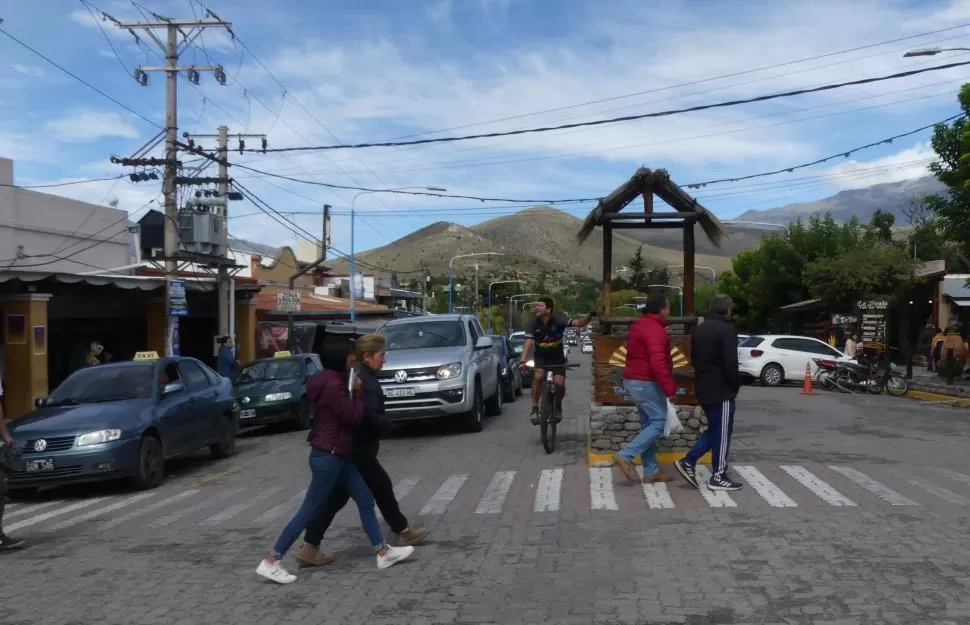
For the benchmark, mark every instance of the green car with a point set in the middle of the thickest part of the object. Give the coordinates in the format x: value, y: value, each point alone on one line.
x: 273, y: 390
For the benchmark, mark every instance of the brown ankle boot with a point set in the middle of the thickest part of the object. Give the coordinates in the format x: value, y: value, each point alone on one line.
x: 411, y: 536
x: 311, y: 556
x: 657, y: 477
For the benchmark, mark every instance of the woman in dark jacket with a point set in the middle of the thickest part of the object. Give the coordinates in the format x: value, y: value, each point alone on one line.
x: 338, y: 414
x: 370, y: 353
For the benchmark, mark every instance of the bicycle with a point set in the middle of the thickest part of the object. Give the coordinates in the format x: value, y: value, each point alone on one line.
x: 547, y: 406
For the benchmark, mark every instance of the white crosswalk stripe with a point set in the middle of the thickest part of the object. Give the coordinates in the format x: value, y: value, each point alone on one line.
x: 601, y: 495
x: 444, y: 495
x: 548, y: 491
x: 495, y: 493
x: 715, y: 499
x: 821, y: 489
x: 878, y: 489
x: 757, y: 480
x: 261, y: 505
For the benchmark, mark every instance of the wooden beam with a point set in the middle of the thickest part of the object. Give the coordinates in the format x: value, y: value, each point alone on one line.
x: 651, y: 215
x: 650, y: 225
x: 647, y: 203
x: 607, y: 288
x: 689, y: 253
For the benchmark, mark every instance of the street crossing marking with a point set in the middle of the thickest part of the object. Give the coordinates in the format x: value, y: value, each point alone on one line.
x: 403, y: 488
x: 715, y: 499
x: 601, y: 495
x: 30, y: 509
x: 444, y: 495
x: 775, y: 497
x: 495, y: 493
x: 232, y: 511
x: 49, y: 515
x: 657, y: 494
x: 548, y: 491
x: 822, y: 490
x: 134, y: 514
x: 945, y: 494
x: 955, y: 475
x: 277, y: 511
x: 184, y: 512
x: 870, y: 485
x: 118, y: 505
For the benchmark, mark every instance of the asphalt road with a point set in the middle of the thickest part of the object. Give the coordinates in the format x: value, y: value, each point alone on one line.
x: 855, y: 511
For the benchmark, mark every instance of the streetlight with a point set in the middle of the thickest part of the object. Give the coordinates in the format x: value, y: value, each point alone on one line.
x: 353, y: 216
x: 451, y: 271
x: 491, y: 324
x: 934, y: 51
x: 527, y: 304
x: 680, y: 290
x: 512, y: 300
x: 713, y: 272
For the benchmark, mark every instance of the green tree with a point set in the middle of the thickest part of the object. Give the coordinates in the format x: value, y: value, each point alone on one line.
x: 865, y: 272
x: 951, y: 142
x: 657, y: 275
x: 638, y: 275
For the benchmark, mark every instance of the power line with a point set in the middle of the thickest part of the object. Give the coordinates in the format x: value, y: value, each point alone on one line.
x: 625, y: 118
x: 63, y: 184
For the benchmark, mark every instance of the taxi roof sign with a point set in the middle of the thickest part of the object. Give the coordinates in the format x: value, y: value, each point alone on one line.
x: 282, y: 354
x: 146, y: 355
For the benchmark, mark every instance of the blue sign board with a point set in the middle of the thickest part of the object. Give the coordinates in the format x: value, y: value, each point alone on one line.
x: 178, y: 306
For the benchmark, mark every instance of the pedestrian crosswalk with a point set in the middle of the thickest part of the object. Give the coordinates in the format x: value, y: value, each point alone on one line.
x: 466, y: 495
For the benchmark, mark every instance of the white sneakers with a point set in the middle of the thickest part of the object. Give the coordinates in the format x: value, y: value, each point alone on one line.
x: 275, y: 572
x: 393, y: 556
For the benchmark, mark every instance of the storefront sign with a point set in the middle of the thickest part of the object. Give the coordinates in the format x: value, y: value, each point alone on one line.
x: 178, y: 305
x: 873, y: 305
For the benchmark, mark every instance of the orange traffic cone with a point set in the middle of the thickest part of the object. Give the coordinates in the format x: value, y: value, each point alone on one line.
x: 807, y: 385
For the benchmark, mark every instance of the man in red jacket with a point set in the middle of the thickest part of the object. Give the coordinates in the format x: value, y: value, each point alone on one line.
x: 649, y: 379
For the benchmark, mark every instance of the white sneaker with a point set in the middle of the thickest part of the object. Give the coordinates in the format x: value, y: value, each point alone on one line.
x: 393, y: 556
x: 275, y: 572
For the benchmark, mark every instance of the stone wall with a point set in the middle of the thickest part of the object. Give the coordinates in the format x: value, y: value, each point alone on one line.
x: 611, y: 427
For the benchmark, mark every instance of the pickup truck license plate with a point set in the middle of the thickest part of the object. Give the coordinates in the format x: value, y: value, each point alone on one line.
x: 399, y: 392
x: 39, y: 466
x: 247, y: 414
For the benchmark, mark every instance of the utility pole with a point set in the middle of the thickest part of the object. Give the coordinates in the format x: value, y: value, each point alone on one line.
x: 475, y: 304
x: 179, y: 35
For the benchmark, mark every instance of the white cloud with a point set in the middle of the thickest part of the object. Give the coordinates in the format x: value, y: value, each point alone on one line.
x: 907, y: 164
x: 91, y: 126
x: 27, y: 70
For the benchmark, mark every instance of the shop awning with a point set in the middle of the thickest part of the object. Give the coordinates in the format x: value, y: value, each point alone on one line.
x: 141, y: 283
x: 965, y: 301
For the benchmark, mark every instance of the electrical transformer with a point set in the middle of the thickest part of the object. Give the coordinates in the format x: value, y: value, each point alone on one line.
x: 203, y: 226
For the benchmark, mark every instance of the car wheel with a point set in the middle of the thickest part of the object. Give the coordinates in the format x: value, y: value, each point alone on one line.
x: 518, y: 385
x: 508, y: 389
x: 226, y: 447
x: 304, y: 415
x: 494, y: 404
x: 772, y: 375
x: 473, y: 420
x: 150, y: 471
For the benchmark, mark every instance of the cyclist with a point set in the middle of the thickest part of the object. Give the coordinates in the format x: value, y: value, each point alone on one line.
x: 545, y: 332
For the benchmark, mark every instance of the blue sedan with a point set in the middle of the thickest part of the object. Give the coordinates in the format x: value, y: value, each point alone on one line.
x: 124, y: 420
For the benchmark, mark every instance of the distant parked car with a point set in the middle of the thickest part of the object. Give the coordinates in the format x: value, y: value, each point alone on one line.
x: 776, y: 359
x: 587, y: 347
x: 440, y: 366
x: 273, y: 390
x: 510, y: 374
x: 124, y: 420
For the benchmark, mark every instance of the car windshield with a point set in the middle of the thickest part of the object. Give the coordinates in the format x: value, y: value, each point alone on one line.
x: 752, y: 341
x: 270, y: 370
x: 424, y: 335
x: 105, y: 383
x: 518, y: 344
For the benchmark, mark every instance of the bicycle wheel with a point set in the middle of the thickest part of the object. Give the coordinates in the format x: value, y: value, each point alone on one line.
x: 547, y: 422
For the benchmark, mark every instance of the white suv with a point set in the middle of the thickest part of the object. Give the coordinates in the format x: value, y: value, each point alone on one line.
x: 775, y: 359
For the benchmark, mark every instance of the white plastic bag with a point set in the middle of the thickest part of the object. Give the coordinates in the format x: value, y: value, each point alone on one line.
x: 673, y: 425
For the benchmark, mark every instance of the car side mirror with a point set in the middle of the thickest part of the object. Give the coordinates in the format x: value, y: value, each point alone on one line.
x: 40, y: 402
x: 483, y: 342
x: 173, y: 387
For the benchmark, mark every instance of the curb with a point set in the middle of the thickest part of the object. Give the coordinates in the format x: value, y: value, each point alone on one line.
x: 952, y: 400
x: 607, y: 460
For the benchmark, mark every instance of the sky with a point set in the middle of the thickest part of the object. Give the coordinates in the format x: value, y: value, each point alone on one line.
x: 308, y: 73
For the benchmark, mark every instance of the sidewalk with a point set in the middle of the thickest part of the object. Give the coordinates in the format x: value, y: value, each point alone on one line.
x: 929, y: 386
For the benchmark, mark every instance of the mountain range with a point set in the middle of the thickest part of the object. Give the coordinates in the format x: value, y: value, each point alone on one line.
x: 543, y: 238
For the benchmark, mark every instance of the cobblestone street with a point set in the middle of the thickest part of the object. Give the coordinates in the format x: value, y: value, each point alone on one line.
x: 854, y: 511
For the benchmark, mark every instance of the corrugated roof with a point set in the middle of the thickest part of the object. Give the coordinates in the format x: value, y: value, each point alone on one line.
x: 267, y: 301
x: 956, y: 286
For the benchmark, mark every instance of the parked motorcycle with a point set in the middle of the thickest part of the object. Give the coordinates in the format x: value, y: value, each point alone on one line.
x: 864, y: 375
x: 824, y: 369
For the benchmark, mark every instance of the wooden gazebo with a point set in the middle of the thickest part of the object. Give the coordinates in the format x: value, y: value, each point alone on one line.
x: 609, y: 346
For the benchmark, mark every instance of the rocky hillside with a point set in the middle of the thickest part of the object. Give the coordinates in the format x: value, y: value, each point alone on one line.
x: 535, y: 239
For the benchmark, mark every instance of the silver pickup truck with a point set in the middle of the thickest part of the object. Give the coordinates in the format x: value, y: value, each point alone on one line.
x: 440, y: 366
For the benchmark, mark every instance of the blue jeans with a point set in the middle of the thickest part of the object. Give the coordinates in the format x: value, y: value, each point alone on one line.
x: 326, y: 470
x: 716, y: 438
x: 652, y: 406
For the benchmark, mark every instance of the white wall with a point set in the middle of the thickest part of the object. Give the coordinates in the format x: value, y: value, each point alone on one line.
x: 47, y: 226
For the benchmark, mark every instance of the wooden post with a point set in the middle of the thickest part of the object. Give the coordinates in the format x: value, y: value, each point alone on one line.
x: 607, y: 268
x: 647, y: 204
x: 688, y: 268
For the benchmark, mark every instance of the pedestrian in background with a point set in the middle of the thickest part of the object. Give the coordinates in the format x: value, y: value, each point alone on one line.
x: 226, y: 363
x: 649, y: 379
x: 337, y: 416
x: 369, y: 350
x: 714, y: 354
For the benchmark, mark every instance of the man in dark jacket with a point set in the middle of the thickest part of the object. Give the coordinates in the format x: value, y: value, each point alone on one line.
x: 714, y: 354
x: 649, y: 379
x: 370, y: 352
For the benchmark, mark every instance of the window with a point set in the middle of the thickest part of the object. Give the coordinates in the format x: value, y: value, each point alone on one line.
x: 423, y: 335
x: 195, y: 378
x: 815, y: 346
x: 474, y: 333
x: 752, y: 341
x: 105, y: 383
x: 272, y: 369
x: 790, y: 344
x: 214, y: 377
x: 310, y: 366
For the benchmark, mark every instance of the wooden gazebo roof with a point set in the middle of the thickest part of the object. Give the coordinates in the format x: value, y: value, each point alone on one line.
x: 648, y: 183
